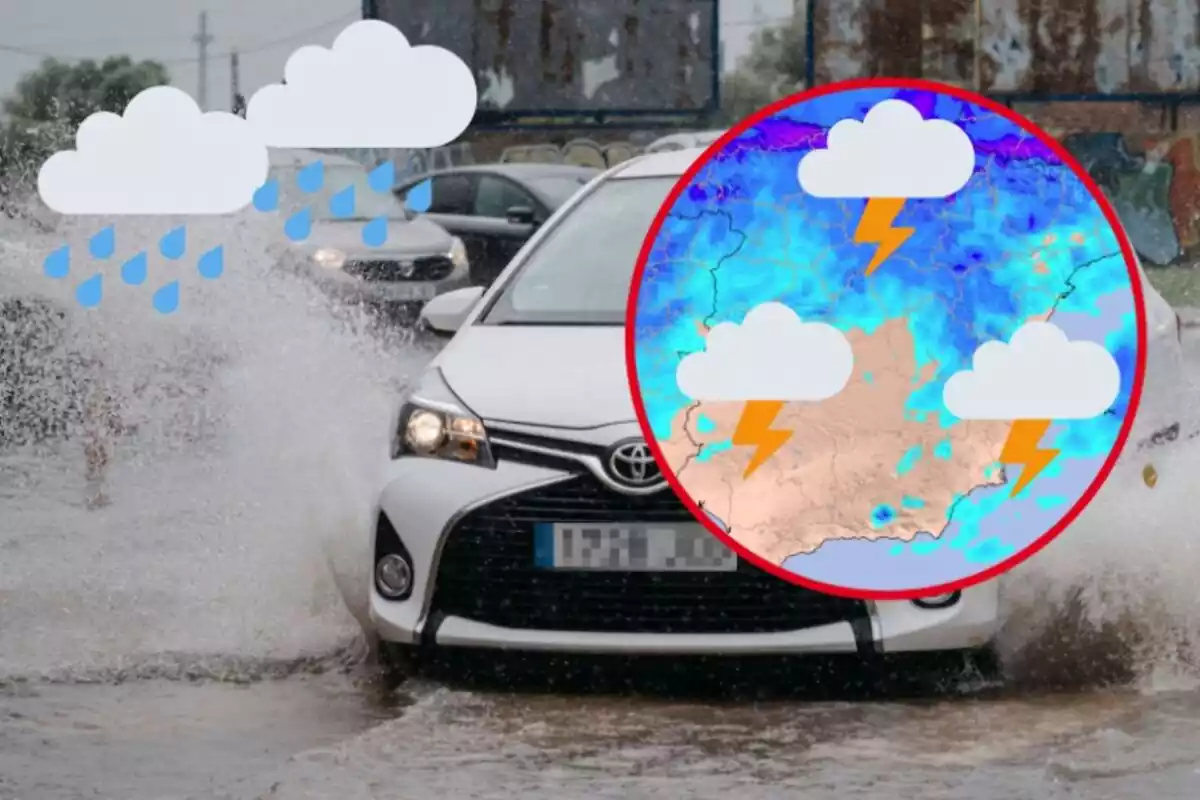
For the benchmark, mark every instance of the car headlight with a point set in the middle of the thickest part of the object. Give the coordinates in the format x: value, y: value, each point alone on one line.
x: 329, y: 258
x: 458, y: 253
x: 434, y: 424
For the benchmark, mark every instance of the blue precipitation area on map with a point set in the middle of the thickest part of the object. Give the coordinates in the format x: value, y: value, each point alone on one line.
x: 744, y: 233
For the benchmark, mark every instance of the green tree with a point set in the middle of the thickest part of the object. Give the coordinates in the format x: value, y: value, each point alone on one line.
x: 773, y: 68
x: 58, y: 91
x: 47, y: 106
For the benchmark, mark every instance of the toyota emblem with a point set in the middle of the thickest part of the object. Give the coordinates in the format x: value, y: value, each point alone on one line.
x: 632, y: 464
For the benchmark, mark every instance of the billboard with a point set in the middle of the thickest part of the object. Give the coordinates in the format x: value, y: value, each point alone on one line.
x: 573, y: 57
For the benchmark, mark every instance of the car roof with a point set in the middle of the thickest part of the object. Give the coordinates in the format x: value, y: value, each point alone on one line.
x: 671, y: 164
x: 519, y: 171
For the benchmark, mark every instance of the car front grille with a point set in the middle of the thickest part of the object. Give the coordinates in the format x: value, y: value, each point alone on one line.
x: 487, y: 574
x: 425, y: 268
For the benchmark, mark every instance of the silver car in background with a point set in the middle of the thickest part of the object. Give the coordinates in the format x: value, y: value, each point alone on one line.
x: 417, y: 261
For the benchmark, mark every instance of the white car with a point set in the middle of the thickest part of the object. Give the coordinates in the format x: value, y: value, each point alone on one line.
x: 525, y: 420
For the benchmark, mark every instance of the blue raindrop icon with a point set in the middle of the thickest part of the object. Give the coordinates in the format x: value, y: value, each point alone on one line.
x: 212, y: 263
x: 299, y: 225
x: 58, y: 264
x: 341, y: 205
x: 383, y: 177
x: 166, y: 299
x: 174, y: 243
x: 420, y: 197
x: 103, y: 243
x: 267, y: 196
x: 375, y: 232
x: 90, y: 292
x: 311, y: 178
x: 133, y: 271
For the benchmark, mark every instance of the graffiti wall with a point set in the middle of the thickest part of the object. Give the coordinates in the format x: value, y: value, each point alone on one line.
x: 1063, y: 46
x: 1154, y: 184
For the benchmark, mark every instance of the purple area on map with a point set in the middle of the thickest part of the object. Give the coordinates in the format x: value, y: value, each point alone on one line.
x: 1016, y: 148
x: 782, y: 134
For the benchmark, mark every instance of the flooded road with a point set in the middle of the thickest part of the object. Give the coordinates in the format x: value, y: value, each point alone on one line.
x: 196, y: 638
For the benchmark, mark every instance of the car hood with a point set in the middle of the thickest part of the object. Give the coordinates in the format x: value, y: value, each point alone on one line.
x: 563, y: 377
x: 416, y: 237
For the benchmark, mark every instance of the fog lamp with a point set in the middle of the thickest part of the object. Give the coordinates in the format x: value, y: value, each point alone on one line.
x: 393, y: 576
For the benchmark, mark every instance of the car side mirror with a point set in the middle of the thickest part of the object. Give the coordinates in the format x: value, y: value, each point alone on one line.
x: 520, y: 215
x: 446, y: 313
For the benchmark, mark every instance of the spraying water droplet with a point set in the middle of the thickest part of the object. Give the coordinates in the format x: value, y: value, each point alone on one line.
x: 133, y: 271
x: 341, y: 205
x: 212, y: 263
x: 267, y: 196
x: 311, y: 178
x: 58, y: 264
x: 166, y: 299
x: 103, y: 243
x: 383, y: 177
x: 375, y: 232
x: 174, y: 243
x: 90, y: 292
x: 420, y: 197
x: 299, y: 225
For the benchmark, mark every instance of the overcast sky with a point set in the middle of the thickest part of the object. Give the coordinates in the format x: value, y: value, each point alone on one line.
x: 264, y: 31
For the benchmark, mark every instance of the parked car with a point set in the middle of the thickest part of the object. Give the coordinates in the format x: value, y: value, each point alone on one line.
x: 417, y: 261
x: 495, y: 208
x: 522, y: 421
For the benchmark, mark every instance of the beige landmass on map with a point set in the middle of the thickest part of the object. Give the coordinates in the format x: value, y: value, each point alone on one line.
x: 841, y: 462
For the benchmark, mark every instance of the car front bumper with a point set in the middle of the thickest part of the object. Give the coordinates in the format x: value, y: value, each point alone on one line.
x: 348, y: 288
x: 425, y: 499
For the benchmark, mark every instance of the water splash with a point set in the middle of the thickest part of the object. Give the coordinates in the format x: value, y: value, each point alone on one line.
x: 58, y: 264
x: 89, y: 293
x: 202, y: 520
x: 311, y: 178
x: 420, y: 197
x: 133, y: 271
x: 166, y: 299
x: 341, y: 205
x: 267, y: 197
x: 103, y: 243
x: 299, y: 225
x: 375, y: 232
x: 212, y: 263
x: 382, y: 178
x: 174, y: 244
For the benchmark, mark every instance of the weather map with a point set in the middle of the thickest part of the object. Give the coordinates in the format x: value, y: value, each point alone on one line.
x: 886, y: 339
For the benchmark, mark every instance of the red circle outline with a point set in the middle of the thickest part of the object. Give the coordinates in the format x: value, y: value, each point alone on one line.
x: 1135, y: 395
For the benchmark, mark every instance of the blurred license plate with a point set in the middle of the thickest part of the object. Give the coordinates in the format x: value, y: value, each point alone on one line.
x: 415, y: 291
x: 687, y: 547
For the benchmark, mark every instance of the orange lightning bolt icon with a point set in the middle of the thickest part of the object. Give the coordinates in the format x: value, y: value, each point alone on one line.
x: 754, y: 430
x: 876, y: 227
x: 1021, y: 447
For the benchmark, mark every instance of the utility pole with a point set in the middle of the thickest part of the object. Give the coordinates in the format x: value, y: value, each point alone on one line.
x: 203, y: 39
x: 235, y: 89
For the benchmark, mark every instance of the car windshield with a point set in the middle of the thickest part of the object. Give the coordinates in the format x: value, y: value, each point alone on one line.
x: 580, y: 273
x: 558, y: 189
x: 368, y: 203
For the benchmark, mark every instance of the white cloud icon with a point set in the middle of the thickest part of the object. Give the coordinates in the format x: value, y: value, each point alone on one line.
x: 372, y: 89
x: 163, y: 156
x: 893, y: 152
x: 1039, y: 374
x: 772, y: 355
